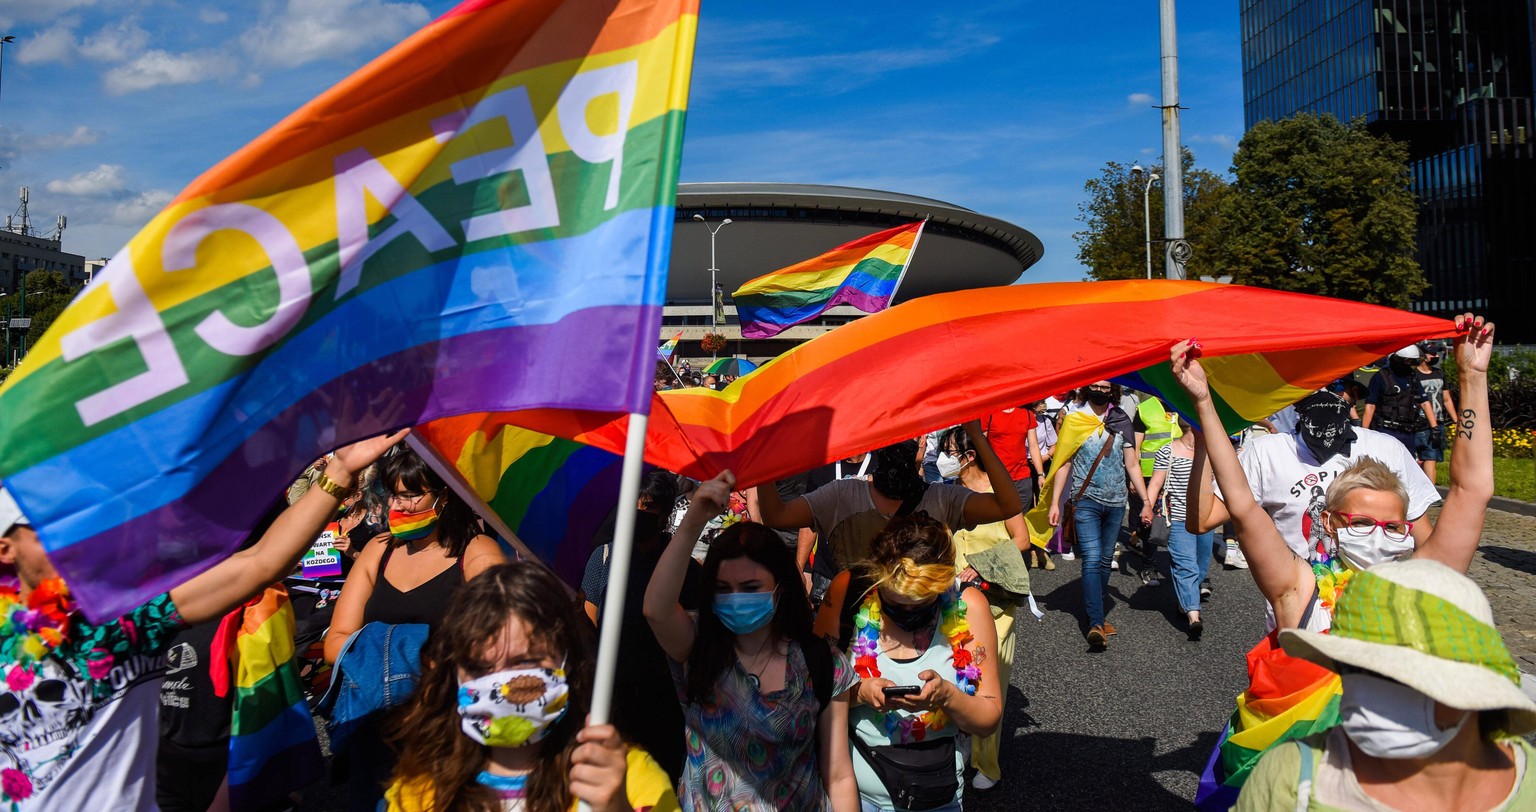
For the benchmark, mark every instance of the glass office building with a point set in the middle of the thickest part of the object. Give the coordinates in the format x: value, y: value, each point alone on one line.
x: 1452, y: 78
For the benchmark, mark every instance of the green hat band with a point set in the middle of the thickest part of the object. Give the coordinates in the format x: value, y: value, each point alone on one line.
x: 1377, y: 610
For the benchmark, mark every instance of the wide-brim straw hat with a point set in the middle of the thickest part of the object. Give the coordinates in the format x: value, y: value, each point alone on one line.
x: 1429, y: 627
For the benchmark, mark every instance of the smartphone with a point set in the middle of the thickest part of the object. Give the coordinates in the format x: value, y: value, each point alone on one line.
x: 901, y: 690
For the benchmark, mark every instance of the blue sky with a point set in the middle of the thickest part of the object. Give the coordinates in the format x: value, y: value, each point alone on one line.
x: 108, y: 107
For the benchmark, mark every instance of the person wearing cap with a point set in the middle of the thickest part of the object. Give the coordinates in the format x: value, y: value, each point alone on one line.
x: 1395, y: 403
x: 78, y: 718
x: 1366, y: 506
x: 1429, y: 444
x: 1431, y: 714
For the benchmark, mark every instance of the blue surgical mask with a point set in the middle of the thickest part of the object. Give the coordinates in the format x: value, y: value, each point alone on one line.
x: 744, y: 612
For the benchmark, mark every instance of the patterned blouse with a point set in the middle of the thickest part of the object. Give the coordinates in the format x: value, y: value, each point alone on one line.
x: 753, y: 751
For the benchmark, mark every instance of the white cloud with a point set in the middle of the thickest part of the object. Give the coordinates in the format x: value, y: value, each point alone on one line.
x: 1221, y: 140
x: 1140, y: 99
x: 56, y: 44
x: 136, y: 210
x: 307, y: 30
x: 155, y: 68
x: 20, y: 11
x: 118, y: 43
x: 103, y: 181
x: 212, y: 16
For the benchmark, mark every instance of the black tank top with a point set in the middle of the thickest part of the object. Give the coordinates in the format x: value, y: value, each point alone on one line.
x: 426, y: 603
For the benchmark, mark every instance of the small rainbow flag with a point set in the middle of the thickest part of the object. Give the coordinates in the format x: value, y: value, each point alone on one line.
x: 1286, y: 699
x: 864, y: 273
x: 479, y: 219
x: 553, y: 494
x: 668, y: 348
x: 918, y: 367
x: 273, y: 748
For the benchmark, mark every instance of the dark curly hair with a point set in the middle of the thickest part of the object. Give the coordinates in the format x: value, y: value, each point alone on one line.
x: 457, y: 524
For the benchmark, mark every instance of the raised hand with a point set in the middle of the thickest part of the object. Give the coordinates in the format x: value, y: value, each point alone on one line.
x: 713, y: 496
x: 1474, y: 344
x: 361, y: 454
x: 1184, y: 358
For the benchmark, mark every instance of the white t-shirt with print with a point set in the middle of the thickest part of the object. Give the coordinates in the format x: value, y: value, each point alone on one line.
x: 1291, y: 485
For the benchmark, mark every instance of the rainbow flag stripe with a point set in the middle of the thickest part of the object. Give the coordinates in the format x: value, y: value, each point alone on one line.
x: 668, y: 348
x: 459, y: 226
x: 273, y: 749
x: 553, y: 494
x: 862, y: 273
x: 939, y: 360
x: 1286, y: 699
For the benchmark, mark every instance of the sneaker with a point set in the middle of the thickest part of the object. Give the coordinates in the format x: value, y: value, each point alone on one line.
x: 980, y: 781
x: 1149, y: 577
x: 1205, y: 589
x: 1069, y: 556
x: 1114, y: 558
x: 1097, y: 638
x: 1234, y: 559
x: 1110, y: 630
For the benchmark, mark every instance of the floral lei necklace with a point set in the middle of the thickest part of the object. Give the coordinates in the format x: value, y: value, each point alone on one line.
x: 31, y: 630
x: 909, y: 728
x: 1332, y: 576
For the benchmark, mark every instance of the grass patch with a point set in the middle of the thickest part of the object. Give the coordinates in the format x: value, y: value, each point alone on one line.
x: 1512, y: 478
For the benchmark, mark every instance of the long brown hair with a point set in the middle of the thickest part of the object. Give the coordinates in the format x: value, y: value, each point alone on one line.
x: 457, y: 524
x: 426, y: 732
x: 714, y: 649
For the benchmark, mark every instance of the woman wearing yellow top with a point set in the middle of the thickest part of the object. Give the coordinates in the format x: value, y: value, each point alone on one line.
x: 498, y: 722
x: 1003, y: 569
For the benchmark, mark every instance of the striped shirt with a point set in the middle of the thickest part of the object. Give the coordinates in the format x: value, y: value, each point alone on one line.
x: 1177, y: 484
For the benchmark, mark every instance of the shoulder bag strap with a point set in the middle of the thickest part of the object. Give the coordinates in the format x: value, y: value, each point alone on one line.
x: 1094, y: 467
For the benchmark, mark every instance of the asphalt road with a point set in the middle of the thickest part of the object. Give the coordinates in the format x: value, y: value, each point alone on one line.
x: 1129, y: 727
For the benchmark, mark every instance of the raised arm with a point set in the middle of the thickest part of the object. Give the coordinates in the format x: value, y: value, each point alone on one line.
x: 776, y: 514
x: 1003, y: 502
x: 673, y: 628
x: 1455, y: 537
x: 1279, y: 574
x: 234, y: 580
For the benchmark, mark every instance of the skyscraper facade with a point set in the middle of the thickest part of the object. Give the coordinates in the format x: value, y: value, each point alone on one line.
x: 1453, y: 79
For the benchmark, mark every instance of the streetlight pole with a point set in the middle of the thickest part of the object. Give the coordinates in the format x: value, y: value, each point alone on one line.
x: 3, y: 42
x: 1177, y: 250
x: 7, y: 296
x: 1146, y: 211
x: 716, y: 301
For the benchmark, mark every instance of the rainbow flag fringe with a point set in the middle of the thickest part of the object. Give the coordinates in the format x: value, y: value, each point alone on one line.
x: 478, y: 220
x: 863, y: 273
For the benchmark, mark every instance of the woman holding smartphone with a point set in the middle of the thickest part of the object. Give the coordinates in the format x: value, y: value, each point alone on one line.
x: 926, y: 652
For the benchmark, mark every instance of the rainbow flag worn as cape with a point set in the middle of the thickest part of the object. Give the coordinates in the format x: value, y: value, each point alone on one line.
x: 554, y: 495
x: 479, y: 219
x: 863, y: 273
x: 1076, y: 428
x: 940, y: 360
x: 273, y: 748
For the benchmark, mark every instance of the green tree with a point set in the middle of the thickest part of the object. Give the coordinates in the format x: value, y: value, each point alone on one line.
x: 48, y: 293
x: 1321, y: 207
x: 1113, y: 244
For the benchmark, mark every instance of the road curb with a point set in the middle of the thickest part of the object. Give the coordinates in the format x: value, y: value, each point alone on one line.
x: 1505, y: 504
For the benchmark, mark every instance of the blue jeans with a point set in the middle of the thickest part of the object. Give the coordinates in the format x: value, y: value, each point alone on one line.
x: 931, y: 473
x: 1191, y: 556
x: 1098, y: 527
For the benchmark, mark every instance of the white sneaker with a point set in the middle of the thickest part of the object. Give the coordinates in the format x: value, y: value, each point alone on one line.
x: 1069, y: 556
x: 1235, y: 557
x: 980, y: 781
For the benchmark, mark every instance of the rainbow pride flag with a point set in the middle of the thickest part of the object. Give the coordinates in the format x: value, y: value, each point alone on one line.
x: 273, y: 749
x: 940, y: 360
x: 477, y: 220
x: 668, y: 348
x: 1286, y: 699
x: 553, y: 494
x: 863, y: 273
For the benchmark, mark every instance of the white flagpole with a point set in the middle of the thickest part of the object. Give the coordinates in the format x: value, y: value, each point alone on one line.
x: 456, y: 481
x: 911, y: 255
x: 618, y: 572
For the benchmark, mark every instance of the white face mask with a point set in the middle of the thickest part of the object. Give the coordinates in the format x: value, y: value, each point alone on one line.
x: 949, y: 466
x: 1364, y: 552
x: 514, y: 707
x: 1387, y: 719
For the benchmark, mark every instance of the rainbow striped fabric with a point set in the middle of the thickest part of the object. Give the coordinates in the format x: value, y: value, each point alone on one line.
x: 553, y: 494
x: 477, y: 220
x: 863, y: 273
x: 1286, y: 699
x: 273, y: 748
x: 668, y: 348
x: 939, y: 360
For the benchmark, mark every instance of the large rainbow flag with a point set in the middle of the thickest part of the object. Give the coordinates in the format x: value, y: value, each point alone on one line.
x: 273, y: 748
x: 863, y: 273
x: 478, y: 220
x: 939, y: 360
x: 553, y: 494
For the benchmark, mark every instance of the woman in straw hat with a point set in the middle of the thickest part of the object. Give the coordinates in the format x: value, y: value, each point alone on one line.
x: 1366, y: 514
x: 1432, y: 707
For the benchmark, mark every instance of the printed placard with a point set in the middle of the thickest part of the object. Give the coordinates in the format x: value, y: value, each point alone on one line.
x: 322, y: 560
